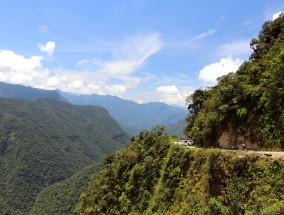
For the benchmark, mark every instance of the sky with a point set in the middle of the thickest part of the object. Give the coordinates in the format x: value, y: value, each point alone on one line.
x: 140, y: 50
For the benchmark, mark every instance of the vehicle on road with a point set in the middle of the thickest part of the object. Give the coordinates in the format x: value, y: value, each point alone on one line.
x: 186, y: 142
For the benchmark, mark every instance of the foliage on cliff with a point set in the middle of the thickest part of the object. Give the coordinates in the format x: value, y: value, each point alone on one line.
x: 154, y: 176
x: 250, y: 102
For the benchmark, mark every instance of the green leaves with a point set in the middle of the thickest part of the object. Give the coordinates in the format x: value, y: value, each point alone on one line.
x: 242, y: 112
x: 248, y: 104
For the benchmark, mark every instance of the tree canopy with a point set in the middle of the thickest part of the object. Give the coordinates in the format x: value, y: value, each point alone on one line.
x: 247, y: 106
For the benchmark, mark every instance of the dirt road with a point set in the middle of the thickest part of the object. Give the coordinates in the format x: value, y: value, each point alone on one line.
x: 257, y: 153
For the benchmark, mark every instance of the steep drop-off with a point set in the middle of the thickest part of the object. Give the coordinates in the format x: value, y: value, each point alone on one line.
x: 46, y: 141
x: 154, y: 176
x: 62, y: 197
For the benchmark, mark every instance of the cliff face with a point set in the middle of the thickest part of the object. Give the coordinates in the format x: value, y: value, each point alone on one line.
x: 233, y: 138
x: 154, y: 176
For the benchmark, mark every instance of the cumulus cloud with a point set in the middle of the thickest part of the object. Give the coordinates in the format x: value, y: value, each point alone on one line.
x: 49, y: 48
x: 236, y: 48
x: 53, y: 81
x: 16, y: 68
x: 276, y: 15
x: 18, y: 63
x: 168, y: 89
x: 211, y: 72
x: 76, y: 84
x: 112, y: 76
x: 171, y: 94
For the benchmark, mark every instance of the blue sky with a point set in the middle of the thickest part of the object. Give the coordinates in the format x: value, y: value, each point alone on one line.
x: 141, y: 50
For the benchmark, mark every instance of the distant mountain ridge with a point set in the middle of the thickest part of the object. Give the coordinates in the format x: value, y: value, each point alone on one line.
x: 18, y: 91
x: 130, y: 115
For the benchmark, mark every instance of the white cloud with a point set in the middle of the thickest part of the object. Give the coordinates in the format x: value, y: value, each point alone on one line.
x: 117, y: 89
x: 276, y: 15
x: 53, y: 81
x: 17, y: 63
x: 173, y: 95
x: 17, y: 69
x: 76, y: 84
x: 211, y: 72
x: 236, y: 48
x: 168, y: 89
x: 132, y: 54
x: 49, y: 47
x: 205, y: 34
x: 193, y: 42
x: 113, y: 76
x: 127, y: 59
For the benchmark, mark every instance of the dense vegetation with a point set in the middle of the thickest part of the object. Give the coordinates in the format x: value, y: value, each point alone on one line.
x: 246, y: 106
x: 61, y: 198
x: 154, y: 176
x: 18, y: 91
x: 176, y: 129
x: 133, y: 117
x: 46, y: 141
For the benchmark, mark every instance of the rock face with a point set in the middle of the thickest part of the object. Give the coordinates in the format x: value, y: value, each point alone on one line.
x: 230, y: 138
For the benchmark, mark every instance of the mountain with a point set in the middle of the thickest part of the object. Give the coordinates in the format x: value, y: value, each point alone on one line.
x: 176, y: 128
x: 132, y: 116
x: 23, y: 92
x: 152, y: 175
x: 62, y: 197
x: 46, y: 141
x: 246, y: 106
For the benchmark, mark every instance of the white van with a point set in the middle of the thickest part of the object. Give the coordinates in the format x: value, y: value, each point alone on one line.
x: 186, y: 142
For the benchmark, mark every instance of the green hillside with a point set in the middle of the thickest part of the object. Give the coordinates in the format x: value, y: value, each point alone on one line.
x: 246, y: 106
x: 154, y: 176
x: 46, y: 141
x: 61, y: 198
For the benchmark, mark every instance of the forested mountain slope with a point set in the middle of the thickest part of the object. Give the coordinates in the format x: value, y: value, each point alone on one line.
x: 46, y: 141
x: 62, y: 197
x: 176, y: 128
x: 154, y: 176
x: 23, y: 92
x: 246, y: 106
x: 132, y: 116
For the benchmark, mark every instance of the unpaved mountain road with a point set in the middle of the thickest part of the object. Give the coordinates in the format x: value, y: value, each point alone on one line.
x: 257, y: 153
x: 272, y: 154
